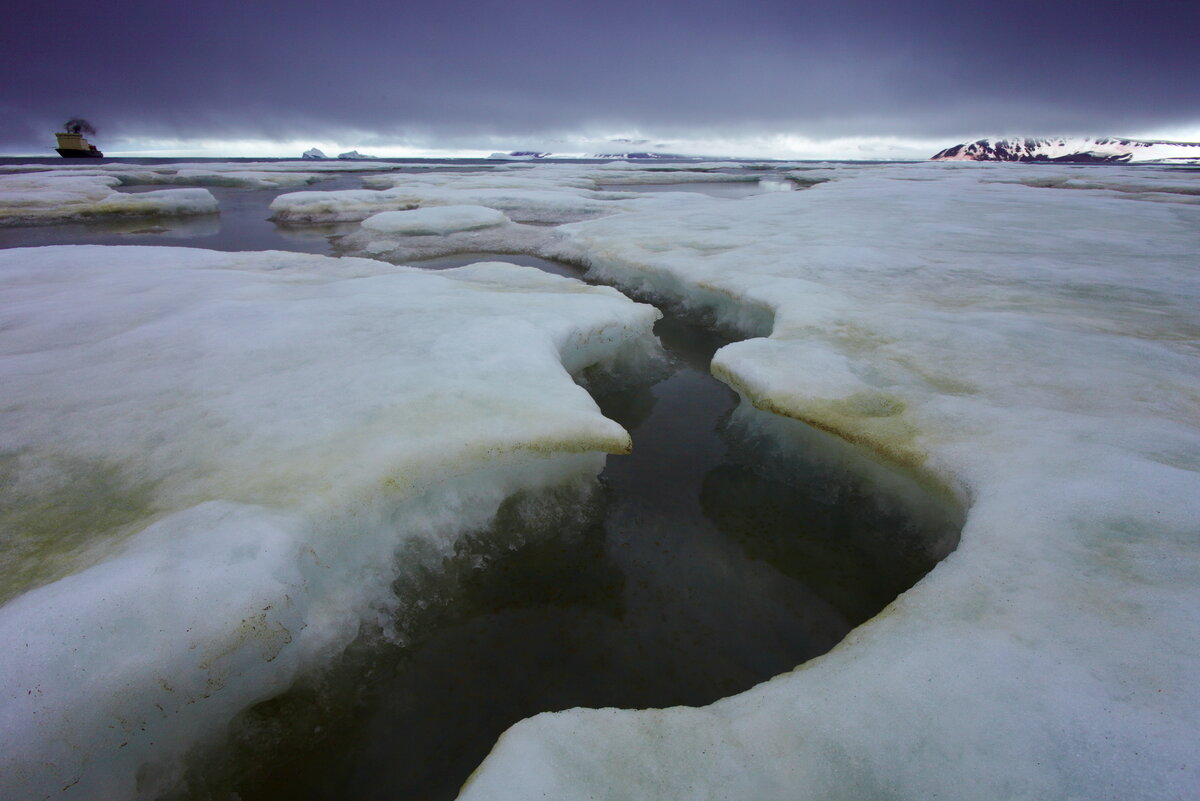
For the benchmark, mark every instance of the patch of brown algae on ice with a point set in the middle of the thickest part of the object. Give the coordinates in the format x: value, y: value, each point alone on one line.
x: 62, y: 515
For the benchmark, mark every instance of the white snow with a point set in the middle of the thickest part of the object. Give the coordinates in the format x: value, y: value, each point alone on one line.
x: 1068, y: 147
x: 1145, y: 183
x: 1022, y: 337
x: 545, y: 193
x: 438, y: 220
x: 526, y: 204
x: 55, y: 196
x: 251, y: 437
x: 400, y: 237
x: 1033, y: 351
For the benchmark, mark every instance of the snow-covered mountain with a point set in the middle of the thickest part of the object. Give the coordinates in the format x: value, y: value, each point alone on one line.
x: 1074, y: 150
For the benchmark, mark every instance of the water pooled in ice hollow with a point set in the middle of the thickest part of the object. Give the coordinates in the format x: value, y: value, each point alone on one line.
x: 687, y: 575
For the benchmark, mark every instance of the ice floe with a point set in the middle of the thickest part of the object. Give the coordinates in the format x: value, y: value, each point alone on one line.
x: 432, y: 231
x: 437, y: 220
x: 548, y: 194
x: 550, y: 206
x: 210, y: 460
x: 36, y: 197
x: 1033, y: 351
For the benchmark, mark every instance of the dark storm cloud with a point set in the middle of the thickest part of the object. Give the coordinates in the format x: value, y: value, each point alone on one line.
x: 461, y: 69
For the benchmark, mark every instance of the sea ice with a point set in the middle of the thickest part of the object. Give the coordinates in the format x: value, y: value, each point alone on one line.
x: 1033, y: 352
x: 432, y: 231
x: 437, y: 220
x: 210, y: 459
x: 63, y: 195
x: 541, y: 194
x: 260, y: 426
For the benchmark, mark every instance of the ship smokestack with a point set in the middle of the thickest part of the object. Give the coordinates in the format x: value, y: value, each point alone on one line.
x: 78, y: 125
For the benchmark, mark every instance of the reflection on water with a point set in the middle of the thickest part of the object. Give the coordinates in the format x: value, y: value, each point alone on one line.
x: 126, y: 231
x: 856, y: 532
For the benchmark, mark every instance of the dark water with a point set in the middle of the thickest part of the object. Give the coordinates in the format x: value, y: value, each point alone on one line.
x: 728, y: 548
x: 715, y: 556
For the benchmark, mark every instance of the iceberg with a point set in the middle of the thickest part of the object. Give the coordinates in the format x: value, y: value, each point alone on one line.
x: 252, y: 437
x: 313, y: 153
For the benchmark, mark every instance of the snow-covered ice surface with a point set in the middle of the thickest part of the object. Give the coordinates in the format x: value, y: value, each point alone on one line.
x: 543, y: 193
x: 1034, y: 350
x: 1174, y: 186
x: 65, y: 195
x: 209, y: 460
x: 257, y: 427
x: 524, y: 198
x: 436, y: 220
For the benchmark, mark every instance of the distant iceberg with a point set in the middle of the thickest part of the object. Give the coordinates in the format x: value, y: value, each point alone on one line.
x: 1074, y: 150
x: 354, y: 155
x: 314, y: 153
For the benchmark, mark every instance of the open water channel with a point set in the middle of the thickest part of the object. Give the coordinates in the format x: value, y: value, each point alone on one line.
x: 715, y: 556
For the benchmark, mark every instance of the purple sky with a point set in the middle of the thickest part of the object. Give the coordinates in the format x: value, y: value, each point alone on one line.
x: 465, y: 71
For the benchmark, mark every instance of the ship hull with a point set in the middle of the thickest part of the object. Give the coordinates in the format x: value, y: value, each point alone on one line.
x: 67, y: 153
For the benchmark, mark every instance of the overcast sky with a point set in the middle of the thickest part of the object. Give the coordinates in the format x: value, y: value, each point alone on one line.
x: 475, y: 75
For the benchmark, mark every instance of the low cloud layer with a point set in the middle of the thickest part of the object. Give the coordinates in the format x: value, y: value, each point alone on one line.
x: 481, y: 75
